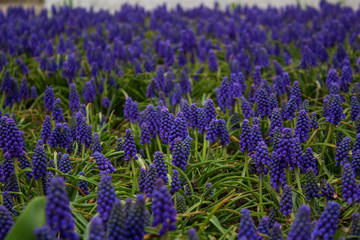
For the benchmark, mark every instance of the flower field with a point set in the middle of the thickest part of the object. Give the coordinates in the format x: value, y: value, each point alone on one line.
x: 204, y: 123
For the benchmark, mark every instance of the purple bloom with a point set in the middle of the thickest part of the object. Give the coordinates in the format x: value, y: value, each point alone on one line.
x: 245, y: 137
x: 160, y: 165
x: 103, y: 163
x: 314, y: 121
x: 8, y: 166
x: 89, y: 91
x: 105, y: 198
x: 57, y: 112
x: 166, y: 122
x: 263, y: 103
x: 192, y: 234
x: 44, y: 233
x: 311, y: 186
x: 261, y: 158
x: 308, y: 161
x: 96, y: 230
x: 276, y: 233
x: 342, y: 152
x: 24, y: 163
x: 184, y: 82
x: 289, y: 111
x: 286, y: 201
x: 301, y: 227
x: 209, y: 109
x: 212, y: 61
x: 350, y: 190
x: 302, y: 126
x: 39, y: 161
x: 224, y: 94
x: 277, y: 171
x: 152, y: 120
x: 175, y: 182
x: 160, y: 78
x: 74, y: 99
x: 326, y: 226
x: 55, y: 136
x: 150, y: 90
x: 177, y: 95
x: 246, y: 228
x: 296, y: 92
x: 355, y: 108
x: 178, y: 130
x: 327, y: 191
x: 142, y: 180
x: 49, y: 98
x: 24, y: 89
x: 6, y: 222
x: 117, y: 223
x: 12, y: 139
x: 355, y: 224
x: 58, y: 212
x: 179, y: 154
x: 308, y: 59
x: 223, y: 132
x: 129, y: 146
x: 263, y: 228
x: 46, y: 129
x: 33, y: 93
x: 275, y: 121
x: 64, y: 165
x: 346, y: 78
x: 256, y: 137
x: 131, y: 110
x: 246, y: 108
x: 135, y: 223
x: 83, y: 185
x: 96, y: 143
x: 151, y: 177
x: 332, y: 77
x: 163, y: 209
x: 285, y: 149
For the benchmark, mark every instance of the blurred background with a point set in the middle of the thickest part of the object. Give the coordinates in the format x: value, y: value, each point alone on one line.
x: 114, y: 4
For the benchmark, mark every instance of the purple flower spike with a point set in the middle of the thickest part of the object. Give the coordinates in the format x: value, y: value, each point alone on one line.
x: 166, y: 122
x: 326, y: 226
x: 212, y: 61
x: 263, y: 103
x: 302, y: 126
x: 160, y: 165
x: 151, y: 177
x: 327, y: 191
x: 49, y: 98
x: 311, y: 186
x: 74, y: 99
x: 46, y: 129
x: 179, y: 154
x: 355, y: 108
x: 301, y: 227
x: 163, y: 209
x: 104, y: 164
x: 152, y: 120
x: 105, y: 198
x: 136, y: 219
x: 246, y: 108
x: 39, y: 161
x: 175, y: 182
x: 246, y: 228
x: 58, y: 212
x: 178, y: 130
x: 57, y: 112
x: 289, y: 111
x: 6, y: 222
x: 223, y: 95
x: 314, y: 121
x: 96, y: 231
x: 285, y: 149
x: 286, y: 201
x: 308, y: 161
x: 209, y: 109
x: 55, y: 137
x: 12, y: 139
x: 89, y: 91
x: 277, y: 172
x: 342, y: 152
x: 129, y: 146
x: 145, y: 134
x: 261, y: 158
x: 131, y: 110
x: 335, y: 110
x: 245, y: 137
x: 350, y: 190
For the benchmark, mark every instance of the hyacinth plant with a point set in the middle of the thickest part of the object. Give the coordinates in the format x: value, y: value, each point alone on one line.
x: 202, y: 123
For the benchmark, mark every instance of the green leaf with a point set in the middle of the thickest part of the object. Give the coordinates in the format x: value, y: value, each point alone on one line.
x: 32, y: 217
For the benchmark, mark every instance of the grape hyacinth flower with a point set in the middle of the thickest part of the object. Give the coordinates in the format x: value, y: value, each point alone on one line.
x: 263, y: 103
x: 39, y: 161
x: 96, y: 230
x: 24, y: 163
x: 12, y: 139
x: 296, y: 92
x: 350, y: 190
x: 105, y: 198
x: 57, y: 210
x: 136, y: 219
x: 327, y: 191
x: 46, y: 129
x: 160, y: 165
x: 272, y: 217
x: 192, y: 234
x: 209, y: 191
x: 89, y: 91
x: 326, y: 226
x: 276, y: 233
x: 152, y: 120
x: 57, y: 112
x: 209, y: 109
x: 83, y: 185
x: 74, y: 99
x: 286, y: 201
x: 261, y: 158
x: 142, y: 180
x: 223, y: 132
x: 65, y: 165
x: 163, y: 209
x: 355, y: 108
x: 277, y: 172
x: 103, y: 163
x: 245, y: 137
x: 289, y: 111
x: 314, y: 121
x: 263, y: 228
x: 144, y: 134
x: 44, y: 233
x: 96, y: 143
x: 342, y: 152
x: 178, y: 130
x: 175, y: 182
x: 311, y: 187
x: 166, y: 122
x: 246, y: 108
x: 212, y: 61
x: 355, y: 225
x: 55, y: 136
x: 7, y: 202
x: 49, y: 98
x: 256, y: 136
x: 151, y: 176
x: 24, y: 89
x: 6, y: 222
x: 246, y: 227
x: 301, y: 227
x: 223, y: 95
x: 285, y: 149
x: 179, y: 157
x: 308, y: 161
x: 117, y: 223
x: 8, y: 166
x: 129, y: 146
x: 302, y: 126
x: 335, y: 112
x: 131, y: 110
